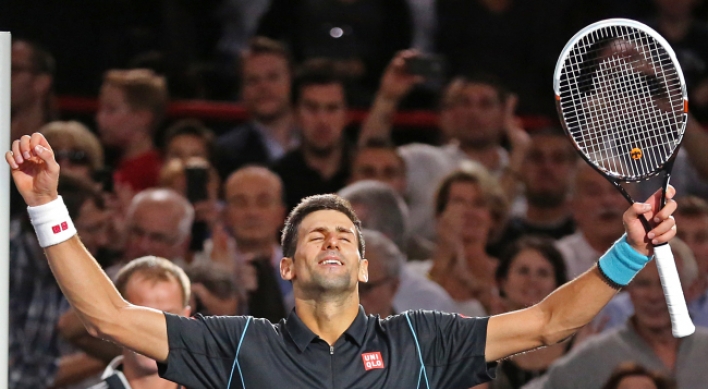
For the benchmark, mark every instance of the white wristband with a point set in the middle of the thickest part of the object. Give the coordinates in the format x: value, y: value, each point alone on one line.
x: 51, y: 222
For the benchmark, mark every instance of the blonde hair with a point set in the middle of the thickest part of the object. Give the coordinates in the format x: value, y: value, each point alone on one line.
x: 154, y: 269
x: 74, y: 135
x: 143, y: 89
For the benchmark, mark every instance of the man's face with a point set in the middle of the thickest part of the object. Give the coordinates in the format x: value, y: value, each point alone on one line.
x: 116, y: 120
x: 694, y: 231
x: 382, y: 165
x: 254, y: 209
x: 378, y: 293
x: 162, y: 295
x: 597, y: 205
x: 92, y: 226
x: 322, y: 116
x: 326, y: 260
x: 548, y: 170
x: 481, y: 114
x: 648, y: 299
x: 186, y: 146
x: 27, y: 87
x: 266, y: 86
x: 467, y: 199
x: 152, y: 229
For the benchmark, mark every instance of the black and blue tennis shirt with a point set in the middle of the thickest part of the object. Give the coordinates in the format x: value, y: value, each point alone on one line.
x: 417, y: 349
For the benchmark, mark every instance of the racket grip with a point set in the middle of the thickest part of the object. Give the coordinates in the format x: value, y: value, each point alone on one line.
x: 681, y: 323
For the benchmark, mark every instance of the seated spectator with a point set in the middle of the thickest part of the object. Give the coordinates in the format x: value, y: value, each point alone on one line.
x: 385, y: 263
x: 381, y: 209
x: 254, y: 213
x: 321, y: 164
x: 547, y: 177
x: 620, y: 308
x: 360, y: 35
x: 645, y: 338
x: 379, y: 160
x: 475, y: 114
x: 528, y: 271
x: 632, y: 376
x: 597, y: 210
x: 470, y: 208
x: 36, y: 302
x: 131, y: 106
x: 31, y: 104
x: 692, y: 213
x: 266, y: 91
x: 155, y: 283
x: 76, y: 148
x: 188, y: 138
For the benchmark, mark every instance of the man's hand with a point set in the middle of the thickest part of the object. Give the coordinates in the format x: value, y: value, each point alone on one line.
x: 663, y: 224
x: 34, y: 170
x: 396, y: 81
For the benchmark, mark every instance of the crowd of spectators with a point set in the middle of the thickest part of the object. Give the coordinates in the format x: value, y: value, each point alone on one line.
x: 490, y: 218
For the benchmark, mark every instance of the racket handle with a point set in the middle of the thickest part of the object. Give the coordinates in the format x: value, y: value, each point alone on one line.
x: 681, y: 323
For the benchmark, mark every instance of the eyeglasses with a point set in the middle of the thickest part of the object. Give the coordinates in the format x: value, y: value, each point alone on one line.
x: 76, y: 157
x: 367, y: 287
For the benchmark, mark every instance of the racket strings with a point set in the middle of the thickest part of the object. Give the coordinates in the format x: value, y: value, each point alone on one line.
x: 623, y: 109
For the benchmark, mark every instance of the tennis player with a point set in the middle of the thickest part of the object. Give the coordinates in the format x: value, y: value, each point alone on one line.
x: 327, y: 341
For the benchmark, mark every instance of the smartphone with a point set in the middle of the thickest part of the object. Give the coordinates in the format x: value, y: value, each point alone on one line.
x: 428, y: 66
x: 197, y: 177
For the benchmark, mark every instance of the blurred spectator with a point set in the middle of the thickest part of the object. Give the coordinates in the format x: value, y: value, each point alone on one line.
x: 188, y: 138
x: 379, y: 160
x: 266, y: 93
x: 547, y: 177
x: 381, y: 209
x: 76, y: 148
x: 645, y: 338
x: 155, y: 283
x: 31, y: 104
x: 475, y: 114
x: 528, y: 271
x: 198, y: 181
x: 510, y: 39
x: 214, y: 291
x: 132, y: 105
x: 632, y: 376
x: 470, y: 208
x: 620, y: 308
x: 254, y: 214
x: 321, y: 163
x: 359, y: 35
x: 385, y: 263
x: 692, y: 214
x: 36, y: 302
x: 597, y: 210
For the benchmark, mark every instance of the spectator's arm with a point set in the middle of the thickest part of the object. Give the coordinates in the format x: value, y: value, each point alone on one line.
x: 696, y: 144
x: 396, y: 82
x: 74, y: 368
x: 520, y: 143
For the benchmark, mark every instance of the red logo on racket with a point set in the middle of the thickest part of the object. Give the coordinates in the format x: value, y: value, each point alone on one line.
x: 372, y: 360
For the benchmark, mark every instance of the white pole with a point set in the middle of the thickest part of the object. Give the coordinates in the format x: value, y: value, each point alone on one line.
x: 5, y: 44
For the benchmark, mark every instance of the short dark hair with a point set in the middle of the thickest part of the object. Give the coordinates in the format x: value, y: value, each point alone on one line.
x: 41, y: 59
x: 628, y: 369
x: 193, y: 127
x: 260, y: 45
x: 312, y: 204
x: 380, y: 144
x: 316, y: 71
x: 490, y: 80
x: 543, y: 246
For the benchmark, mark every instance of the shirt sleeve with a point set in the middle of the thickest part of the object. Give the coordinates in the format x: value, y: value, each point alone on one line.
x: 202, y: 350
x: 453, y: 348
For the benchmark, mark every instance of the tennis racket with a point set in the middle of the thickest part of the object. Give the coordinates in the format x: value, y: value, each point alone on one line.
x: 622, y: 100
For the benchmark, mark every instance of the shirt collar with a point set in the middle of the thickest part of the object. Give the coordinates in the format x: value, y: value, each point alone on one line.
x: 303, y: 336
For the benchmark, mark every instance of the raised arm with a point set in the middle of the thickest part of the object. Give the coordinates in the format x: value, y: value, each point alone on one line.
x: 396, y: 82
x: 97, y: 302
x: 574, y: 304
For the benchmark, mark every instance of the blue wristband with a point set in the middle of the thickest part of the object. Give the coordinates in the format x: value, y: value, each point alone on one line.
x: 621, y: 262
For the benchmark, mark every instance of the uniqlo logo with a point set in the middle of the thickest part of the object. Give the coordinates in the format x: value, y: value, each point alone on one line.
x: 372, y: 360
x: 63, y: 226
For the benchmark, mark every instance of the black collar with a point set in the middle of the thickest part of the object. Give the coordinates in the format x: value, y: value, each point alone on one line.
x: 303, y: 336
